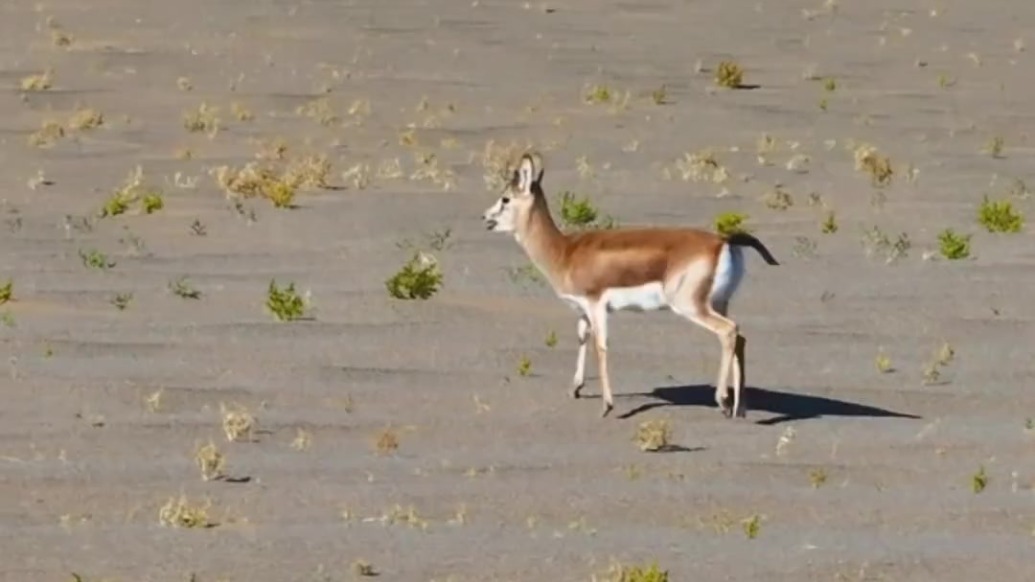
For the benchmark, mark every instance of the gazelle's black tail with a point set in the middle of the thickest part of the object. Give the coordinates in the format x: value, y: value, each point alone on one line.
x: 743, y: 239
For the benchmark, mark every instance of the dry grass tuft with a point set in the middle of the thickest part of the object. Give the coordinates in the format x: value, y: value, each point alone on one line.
x: 210, y: 461
x: 363, y: 568
x: 309, y: 172
x: 869, y: 160
x: 181, y: 513
x: 256, y: 180
x: 38, y: 82
x: 700, y: 166
x: 618, y: 572
x: 203, y: 119
x: 265, y: 180
x: 654, y: 435
x: 387, y: 442
x: 47, y: 135
x: 498, y: 162
x: 238, y: 424
x: 240, y: 112
x: 85, y: 118
x: 406, y: 516
x: 729, y: 74
x: 303, y: 440
x: 319, y: 110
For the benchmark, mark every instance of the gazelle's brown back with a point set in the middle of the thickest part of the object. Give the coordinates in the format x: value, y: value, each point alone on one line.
x: 601, y: 259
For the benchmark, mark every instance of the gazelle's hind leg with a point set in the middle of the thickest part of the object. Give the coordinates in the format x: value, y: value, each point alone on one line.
x: 739, y: 373
x: 697, y: 310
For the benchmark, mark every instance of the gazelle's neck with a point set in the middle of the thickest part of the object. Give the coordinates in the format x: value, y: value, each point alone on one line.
x: 544, y: 243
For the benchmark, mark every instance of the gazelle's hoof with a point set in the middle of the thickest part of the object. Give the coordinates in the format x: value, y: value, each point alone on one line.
x: 608, y: 407
x: 576, y: 391
x: 725, y: 406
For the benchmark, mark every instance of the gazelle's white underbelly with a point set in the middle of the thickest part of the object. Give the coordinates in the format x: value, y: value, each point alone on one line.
x: 647, y: 297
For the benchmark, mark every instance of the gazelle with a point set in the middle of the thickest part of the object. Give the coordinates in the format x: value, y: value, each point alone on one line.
x: 691, y: 272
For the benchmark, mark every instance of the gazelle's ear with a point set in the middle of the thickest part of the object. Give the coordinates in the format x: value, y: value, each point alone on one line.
x: 537, y: 163
x: 526, y: 174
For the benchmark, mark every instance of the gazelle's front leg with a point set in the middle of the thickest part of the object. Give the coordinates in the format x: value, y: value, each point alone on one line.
x: 580, y: 362
x: 599, y: 324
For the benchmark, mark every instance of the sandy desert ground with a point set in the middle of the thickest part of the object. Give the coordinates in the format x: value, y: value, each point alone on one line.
x: 889, y: 387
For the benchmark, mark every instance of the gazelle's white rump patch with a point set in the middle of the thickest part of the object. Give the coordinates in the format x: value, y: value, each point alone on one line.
x: 729, y: 271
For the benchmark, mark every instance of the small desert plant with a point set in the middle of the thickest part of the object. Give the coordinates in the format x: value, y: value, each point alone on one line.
x: 363, y: 568
x: 95, y: 259
x: 659, y: 95
x: 979, y: 480
x: 84, y: 119
x: 804, y: 247
x: 115, y: 205
x: 238, y: 423
x: 182, y: 288
x: 778, y: 199
x: 551, y: 338
x: 319, y: 110
x: 953, y: 246
x: 577, y: 212
x: 132, y: 190
x: 999, y: 216
x: 946, y: 354
x: 387, y: 441
x: 883, y: 363
x: 152, y: 202
x: 877, y: 241
x: 729, y: 223
x: 38, y: 82
x: 203, y: 119
x: 729, y: 74
x: 817, y: 477
x: 830, y: 85
x: 419, y: 278
x: 869, y: 160
x: 932, y: 373
x: 47, y: 135
x: 599, y: 94
x: 623, y: 573
x: 302, y: 441
x: 122, y: 300
x: 241, y: 112
x: 284, y: 303
x: 941, y: 359
x: 210, y: 462
x: 181, y: 513
x: 258, y: 180
x: 654, y: 435
x: 524, y: 367
x: 994, y: 147
x: 752, y: 526
x: 6, y: 291
x: 197, y: 228
x: 829, y: 224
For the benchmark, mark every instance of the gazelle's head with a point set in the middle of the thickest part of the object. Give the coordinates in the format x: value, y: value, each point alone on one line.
x: 515, y: 204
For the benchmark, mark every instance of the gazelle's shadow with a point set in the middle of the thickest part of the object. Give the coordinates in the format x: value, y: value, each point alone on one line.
x: 787, y: 406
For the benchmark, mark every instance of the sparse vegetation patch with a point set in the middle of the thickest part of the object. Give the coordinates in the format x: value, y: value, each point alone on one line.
x: 419, y: 278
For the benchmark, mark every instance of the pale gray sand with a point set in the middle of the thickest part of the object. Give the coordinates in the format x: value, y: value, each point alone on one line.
x: 545, y: 488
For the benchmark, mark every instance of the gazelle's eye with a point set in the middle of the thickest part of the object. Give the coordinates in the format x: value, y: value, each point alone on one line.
x: 505, y: 200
